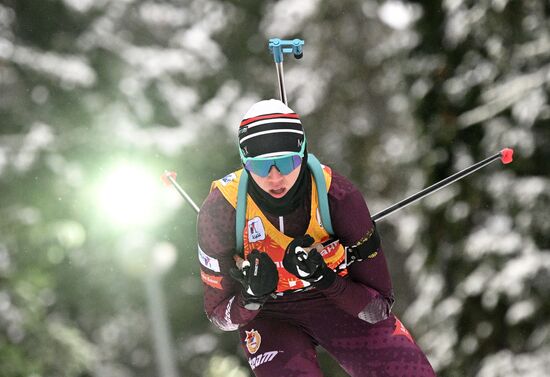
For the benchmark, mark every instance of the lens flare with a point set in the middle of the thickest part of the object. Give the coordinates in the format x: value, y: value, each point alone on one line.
x: 129, y: 196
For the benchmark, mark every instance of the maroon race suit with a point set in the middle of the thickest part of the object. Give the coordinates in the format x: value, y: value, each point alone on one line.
x: 351, y: 319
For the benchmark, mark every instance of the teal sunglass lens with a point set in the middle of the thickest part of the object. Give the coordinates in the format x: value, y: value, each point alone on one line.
x: 262, y: 167
x: 288, y: 164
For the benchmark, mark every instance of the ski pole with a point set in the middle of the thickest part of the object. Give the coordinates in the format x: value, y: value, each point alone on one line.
x: 169, y: 177
x: 279, y: 47
x: 505, y: 156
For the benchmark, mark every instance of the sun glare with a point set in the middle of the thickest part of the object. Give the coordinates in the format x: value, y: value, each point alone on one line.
x: 130, y: 196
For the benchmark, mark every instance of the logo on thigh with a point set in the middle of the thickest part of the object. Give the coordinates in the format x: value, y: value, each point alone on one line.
x: 261, y: 359
x: 253, y: 341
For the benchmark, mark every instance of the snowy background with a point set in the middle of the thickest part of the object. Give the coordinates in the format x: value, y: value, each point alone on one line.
x: 98, y: 98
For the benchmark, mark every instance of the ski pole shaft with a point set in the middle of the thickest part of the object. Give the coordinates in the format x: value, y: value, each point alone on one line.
x: 505, y: 156
x: 170, y: 178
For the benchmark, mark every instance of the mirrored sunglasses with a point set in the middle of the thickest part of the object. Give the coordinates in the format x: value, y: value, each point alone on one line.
x: 262, y: 166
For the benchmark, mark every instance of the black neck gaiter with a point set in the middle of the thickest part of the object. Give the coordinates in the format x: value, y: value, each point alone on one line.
x: 288, y: 203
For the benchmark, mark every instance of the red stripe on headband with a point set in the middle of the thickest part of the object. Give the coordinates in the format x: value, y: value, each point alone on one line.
x: 270, y: 116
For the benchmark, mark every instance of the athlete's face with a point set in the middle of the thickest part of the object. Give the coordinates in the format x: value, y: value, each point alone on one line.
x: 276, y: 184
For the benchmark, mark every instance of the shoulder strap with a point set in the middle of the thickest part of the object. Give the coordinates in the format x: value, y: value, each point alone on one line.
x: 240, y: 216
x: 322, y: 195
x: 322, y: 192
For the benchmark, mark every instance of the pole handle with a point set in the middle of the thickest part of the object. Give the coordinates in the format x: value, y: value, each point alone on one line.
x: 240, y: 262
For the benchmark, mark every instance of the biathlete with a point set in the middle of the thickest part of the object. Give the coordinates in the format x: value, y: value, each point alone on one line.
x: 300, y: 286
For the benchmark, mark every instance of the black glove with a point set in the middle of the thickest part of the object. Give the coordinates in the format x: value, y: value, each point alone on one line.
x: 311, y: 266
x: 259, y: 278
